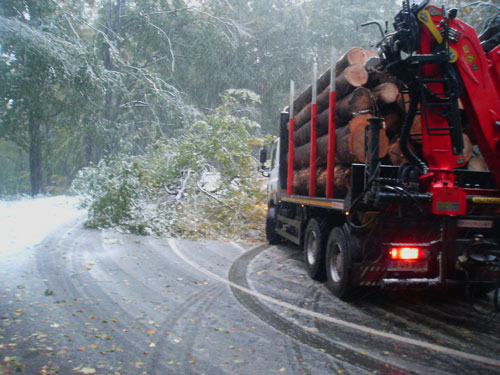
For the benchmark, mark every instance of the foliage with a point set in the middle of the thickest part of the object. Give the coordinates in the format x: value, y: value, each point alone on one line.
x: 203, y: 184
x: 475, y: 12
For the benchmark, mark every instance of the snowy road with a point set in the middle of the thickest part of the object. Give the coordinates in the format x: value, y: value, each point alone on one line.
x: 87, y: 301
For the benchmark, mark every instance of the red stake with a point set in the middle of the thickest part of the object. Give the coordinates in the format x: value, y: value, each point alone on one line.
x: 291, y: 129
x: 314, y: 123
x: 330, y: 162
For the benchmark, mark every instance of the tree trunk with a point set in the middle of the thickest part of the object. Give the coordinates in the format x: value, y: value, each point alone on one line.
x: 386, y: 93
x: 341, y: 181
x: 353, y: 76
x: 477, y: 163
x: 373, y: 63
x: 35, y: 155
x: 305, y: 96
x: 359, y: 100
x: 377, y: 77
x: 393, y: 118
x: 303, y: 135
x: 355, y: 55
x: 349, y: 145
x: 357, y: 137
x: 304, y: 115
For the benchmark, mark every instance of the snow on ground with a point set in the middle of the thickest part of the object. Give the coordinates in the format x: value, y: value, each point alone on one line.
x: 26, y: 222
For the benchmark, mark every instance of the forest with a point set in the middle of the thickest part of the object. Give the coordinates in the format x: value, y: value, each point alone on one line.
x: 139, y: 106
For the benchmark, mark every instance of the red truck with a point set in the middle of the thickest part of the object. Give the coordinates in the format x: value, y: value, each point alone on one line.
x: 430, y: 219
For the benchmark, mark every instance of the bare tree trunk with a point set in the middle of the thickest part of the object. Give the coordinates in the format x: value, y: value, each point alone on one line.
x: 35, y: 155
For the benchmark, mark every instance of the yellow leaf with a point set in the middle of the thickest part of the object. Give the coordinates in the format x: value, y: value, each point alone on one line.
x: 114, y: 320
x: 87, y: 370
x: 139, y: 364
x: 93, y: 346
x: 170, y: 362
x: 282, y: 369
x: 260, y: 272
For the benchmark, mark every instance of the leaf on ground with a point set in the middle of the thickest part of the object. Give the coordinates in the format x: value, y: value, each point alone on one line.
x: 87, y: 370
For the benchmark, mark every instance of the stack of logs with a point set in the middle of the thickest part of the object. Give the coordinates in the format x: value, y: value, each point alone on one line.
x: 363, y: 91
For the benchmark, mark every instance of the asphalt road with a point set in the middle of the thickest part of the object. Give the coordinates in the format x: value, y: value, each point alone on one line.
x: 99, y: 302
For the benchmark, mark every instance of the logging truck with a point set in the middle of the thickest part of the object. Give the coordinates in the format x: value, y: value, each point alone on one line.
x: 387, y: 168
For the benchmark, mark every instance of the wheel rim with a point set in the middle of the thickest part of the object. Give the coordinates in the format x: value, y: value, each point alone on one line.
x: 336, y: 264
x: 312, y: 248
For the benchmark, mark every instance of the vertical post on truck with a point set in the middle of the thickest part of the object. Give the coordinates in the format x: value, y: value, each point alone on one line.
x: 314, y: 122
x: 330, y: 163
x: 291, y: 129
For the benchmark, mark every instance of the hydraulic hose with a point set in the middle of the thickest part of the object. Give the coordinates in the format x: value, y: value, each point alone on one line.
x: 406, y: 129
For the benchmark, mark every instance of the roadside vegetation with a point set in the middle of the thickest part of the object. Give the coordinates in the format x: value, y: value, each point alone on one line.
x: 202, y: 184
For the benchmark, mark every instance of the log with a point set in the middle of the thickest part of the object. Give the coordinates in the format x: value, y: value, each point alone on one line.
x: 386, y: 93
x: 357, y: 137
x: 301, y: 154
x: 467, y: 148
x: 477, y: 163
x: 353, y: 76
x: 377, y: 77
x: 416, y: 130
x: 355, y: 55
x: 393, y: 118
x: 395, y: 153
x: 304, y: 115
x: 350, y: 141
x: 371, y: 53
x: 359, y: 100
x: 305, y: 96
x: 342, y: 181
x: 303, y: 135
x: 373, y: 63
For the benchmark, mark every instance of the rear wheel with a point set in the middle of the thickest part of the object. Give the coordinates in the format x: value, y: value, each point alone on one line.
x: 271, y: 220
x: 314, y: 250
x: 339, y: 263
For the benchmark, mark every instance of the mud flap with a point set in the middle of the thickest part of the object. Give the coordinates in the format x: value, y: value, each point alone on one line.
x: 370, y: 274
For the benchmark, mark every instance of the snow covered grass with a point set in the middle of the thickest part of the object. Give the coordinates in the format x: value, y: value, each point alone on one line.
x: 26, y: 222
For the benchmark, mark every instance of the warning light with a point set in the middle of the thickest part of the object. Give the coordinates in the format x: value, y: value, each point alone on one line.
x: 405, y: 253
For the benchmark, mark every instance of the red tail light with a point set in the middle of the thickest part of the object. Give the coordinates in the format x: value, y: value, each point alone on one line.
x: 406, y: 253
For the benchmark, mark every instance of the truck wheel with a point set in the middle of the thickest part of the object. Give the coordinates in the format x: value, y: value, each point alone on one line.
x: 272, y: 237
x: 338, y: 263
x: 314, y: 251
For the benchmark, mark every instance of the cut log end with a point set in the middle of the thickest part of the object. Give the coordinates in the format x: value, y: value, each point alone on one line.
x: 386, y: 93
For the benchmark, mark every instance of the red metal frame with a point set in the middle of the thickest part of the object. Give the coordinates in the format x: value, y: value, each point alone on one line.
x: 291, y: 129
x: 312, y: 158
x: 330, y: 166
x: 481, y: 102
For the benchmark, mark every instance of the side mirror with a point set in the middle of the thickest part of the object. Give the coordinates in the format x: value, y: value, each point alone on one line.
x: 262, y: 155
x: 262, y: 158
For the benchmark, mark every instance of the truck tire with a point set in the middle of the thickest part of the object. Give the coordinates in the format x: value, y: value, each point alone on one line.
x: 271, y: 220
x: 338, y: 263
x: 314, y: 250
